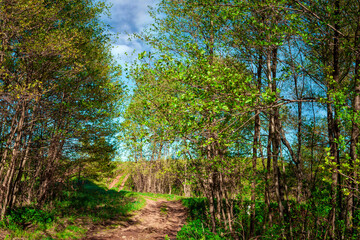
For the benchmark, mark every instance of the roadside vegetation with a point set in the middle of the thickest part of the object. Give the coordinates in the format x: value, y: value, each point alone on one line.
x: 254, y: 107
x: 246, y: 111
x: 59, y: 96
x: 73, y: 214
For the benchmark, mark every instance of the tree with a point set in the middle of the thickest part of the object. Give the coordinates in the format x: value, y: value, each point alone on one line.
x: 56, y: 87
x: 266, y: 81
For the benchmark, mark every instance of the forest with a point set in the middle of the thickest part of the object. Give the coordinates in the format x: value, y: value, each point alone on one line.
x: 254, y: 106
x: 247, y: 111
x: 59, y: 93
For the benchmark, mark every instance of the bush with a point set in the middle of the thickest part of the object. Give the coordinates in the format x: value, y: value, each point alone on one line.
x: 26, y: 216
x: 196, y: 230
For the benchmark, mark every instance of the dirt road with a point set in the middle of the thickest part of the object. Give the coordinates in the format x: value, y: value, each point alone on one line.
x: 117, y: 179
x: 155, y: 221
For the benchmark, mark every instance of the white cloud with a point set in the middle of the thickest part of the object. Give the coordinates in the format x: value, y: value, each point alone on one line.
x: 119, y: 50
x: 128, y: 17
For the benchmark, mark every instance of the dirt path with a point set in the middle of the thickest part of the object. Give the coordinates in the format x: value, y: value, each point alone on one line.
x: 156, y: 220
x: 123, y: 182
x: 117, y: 179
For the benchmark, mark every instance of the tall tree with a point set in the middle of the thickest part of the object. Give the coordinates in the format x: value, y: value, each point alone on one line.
x: 56, y: 74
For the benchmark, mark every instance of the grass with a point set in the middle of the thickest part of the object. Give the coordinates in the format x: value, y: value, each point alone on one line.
x: 157, y: 196
x: 164, y: 210
x: 196, y: 227
x: 71, y: 217
x: 119, y: 183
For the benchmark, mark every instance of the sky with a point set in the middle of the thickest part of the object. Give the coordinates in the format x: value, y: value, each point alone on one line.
x: 128, y: 17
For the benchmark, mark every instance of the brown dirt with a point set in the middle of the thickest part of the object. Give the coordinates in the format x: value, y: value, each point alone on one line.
x: 155, y: 221
x: 123, y: 182
x: 3, y: 234
x: 117, y: 179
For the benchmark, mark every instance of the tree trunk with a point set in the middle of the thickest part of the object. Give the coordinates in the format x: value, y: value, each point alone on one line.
x: 255, y: 149
x: 355, y: 131
x: 334, y: 133
x: 8, y: 180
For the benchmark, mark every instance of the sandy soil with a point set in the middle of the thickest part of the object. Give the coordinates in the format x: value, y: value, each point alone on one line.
x: 117, y: 179
x: 156, y: 220
x: 123, y: 182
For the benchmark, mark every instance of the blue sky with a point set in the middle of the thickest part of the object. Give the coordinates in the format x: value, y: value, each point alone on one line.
x: 128, y: 17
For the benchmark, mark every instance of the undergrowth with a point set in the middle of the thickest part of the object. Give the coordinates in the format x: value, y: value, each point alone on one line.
x: 197, y: 228
x: 157, y: 196
x: 73, y: 215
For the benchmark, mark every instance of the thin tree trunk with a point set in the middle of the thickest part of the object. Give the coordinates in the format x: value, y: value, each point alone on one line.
x: 355, y: 131
x: 210, y: 196
x: 8, y: 181
x: 254, y: 157
x: 334, y: 131
x: 269, y: 144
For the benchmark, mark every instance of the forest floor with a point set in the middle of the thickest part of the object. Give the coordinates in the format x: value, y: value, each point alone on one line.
x: 116, y: 181
x: 159, y: 219
x: 95, y: 212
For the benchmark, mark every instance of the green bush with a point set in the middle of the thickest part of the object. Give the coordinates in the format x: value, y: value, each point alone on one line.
x: 21, y: 218
x: 196, y: 230
x: 197, y: 208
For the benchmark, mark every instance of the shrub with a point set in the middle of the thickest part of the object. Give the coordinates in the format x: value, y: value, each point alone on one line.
x: 196, y: 230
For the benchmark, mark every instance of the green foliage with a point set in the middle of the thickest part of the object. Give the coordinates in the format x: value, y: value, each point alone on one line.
x: 98, y: 203
x: 217, y: 69
x: 197, y: 208
x: 157, y: 196
x: 22, y: 218
x: 61, y: 82
x: 70, y: 217
x: 198, y: 218
x: 195, y: 230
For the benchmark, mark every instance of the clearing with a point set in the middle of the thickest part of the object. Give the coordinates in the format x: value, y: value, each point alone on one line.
x: 158, y: 219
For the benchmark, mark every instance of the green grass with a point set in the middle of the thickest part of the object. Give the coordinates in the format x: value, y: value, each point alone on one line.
x: 157, y: 196
x: 77, y: 211
x: 118, y: 184
x: 164, y: 210
x: 71, y: 217
x: 196, y: 227
x: 196, y: 230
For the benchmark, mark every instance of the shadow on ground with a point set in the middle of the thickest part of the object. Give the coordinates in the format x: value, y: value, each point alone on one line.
x: 79, y: 209
x: 94, y: 202
x: 159, y: 219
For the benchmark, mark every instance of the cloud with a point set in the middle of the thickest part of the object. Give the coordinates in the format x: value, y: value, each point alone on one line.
x: 119, y: 50
x: 124, y: 50
x: 128, y: 17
